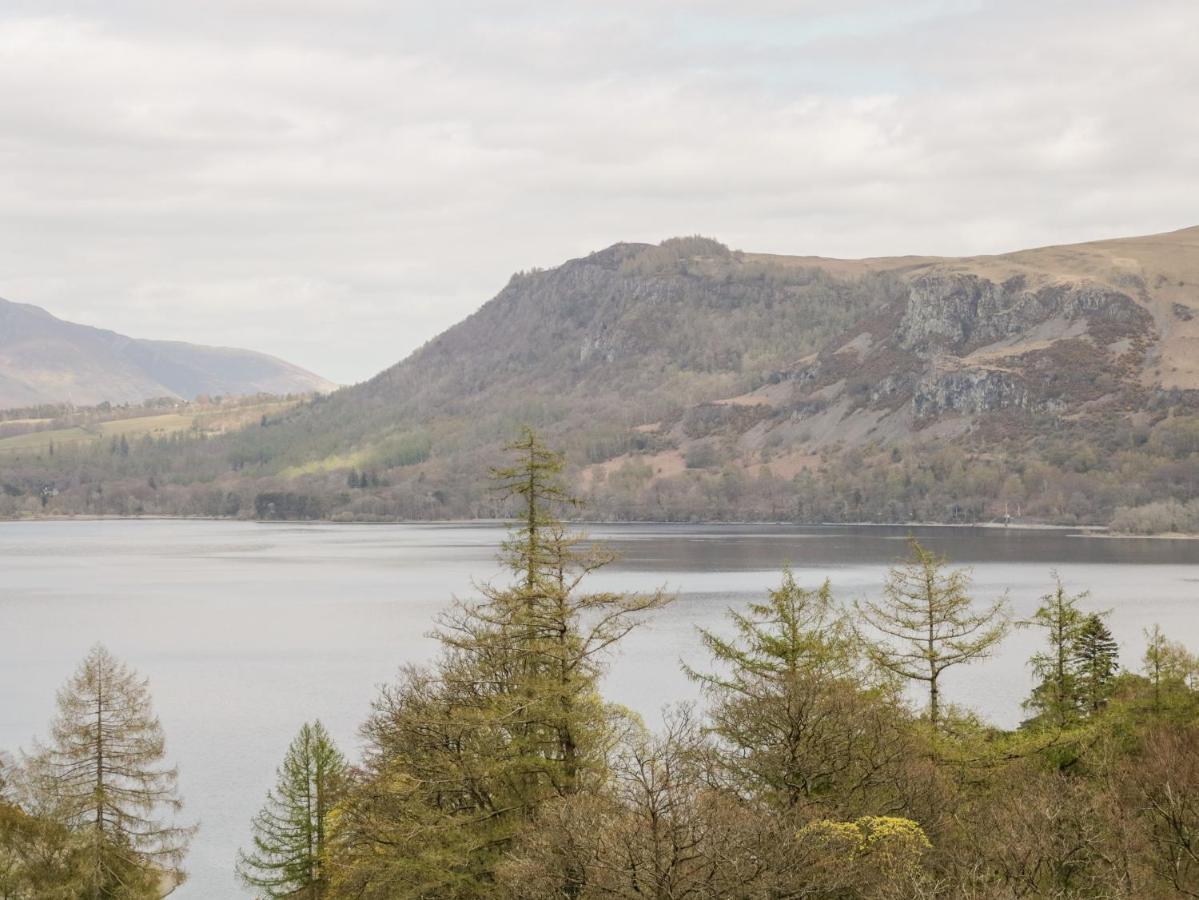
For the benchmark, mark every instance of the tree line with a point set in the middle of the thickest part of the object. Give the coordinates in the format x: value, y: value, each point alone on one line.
x: 500, y: 770
x: 1139, y: 481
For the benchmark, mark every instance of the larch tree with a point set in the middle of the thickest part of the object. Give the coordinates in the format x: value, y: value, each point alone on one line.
x: 1169, y: 666
x: 1055, y: 697
x: 461, y: 756
x: 800, y: 718
x: 103, y: 769
x: 287, y: 859
x: 928, y: 622
x: 544, y: 631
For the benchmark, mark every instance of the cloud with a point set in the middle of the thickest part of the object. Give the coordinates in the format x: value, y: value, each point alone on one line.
x: 334, y: 183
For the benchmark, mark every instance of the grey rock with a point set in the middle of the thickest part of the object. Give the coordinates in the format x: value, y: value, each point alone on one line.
x: 960, y: 312
x: 969, y: 391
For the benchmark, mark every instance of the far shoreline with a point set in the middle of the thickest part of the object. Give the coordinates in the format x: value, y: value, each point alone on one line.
x: 1080, y: 531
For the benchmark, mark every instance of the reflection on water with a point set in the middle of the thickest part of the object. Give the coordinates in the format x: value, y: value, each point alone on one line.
x: 246, y: 630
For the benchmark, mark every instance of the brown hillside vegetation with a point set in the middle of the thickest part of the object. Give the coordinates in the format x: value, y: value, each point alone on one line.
x: 687, y: 380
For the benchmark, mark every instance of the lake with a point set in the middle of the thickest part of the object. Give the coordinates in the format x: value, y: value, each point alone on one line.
x: 247, y: 630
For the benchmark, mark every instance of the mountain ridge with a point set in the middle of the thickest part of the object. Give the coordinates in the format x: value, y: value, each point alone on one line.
x: 44, y: 359
x: 686, y: 380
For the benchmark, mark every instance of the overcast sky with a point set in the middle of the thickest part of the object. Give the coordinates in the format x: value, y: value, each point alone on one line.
x: 336, y: 181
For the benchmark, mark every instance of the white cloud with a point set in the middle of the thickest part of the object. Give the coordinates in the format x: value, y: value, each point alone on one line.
x: 334, y: 183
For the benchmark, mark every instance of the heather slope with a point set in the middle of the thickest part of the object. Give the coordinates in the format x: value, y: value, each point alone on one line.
x: 687, y: 380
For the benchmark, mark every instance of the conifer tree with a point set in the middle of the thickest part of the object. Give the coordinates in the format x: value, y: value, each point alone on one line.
x: 103, y: 769
x: 1055, y: 697
x: 289, y: 831
x: 1095, y: 657
x: 508, y: 719
x: 547, y: 633
x: 799, y: 717
x: 929, y: 624
x: 1169, y: 666
x: 535, y: 481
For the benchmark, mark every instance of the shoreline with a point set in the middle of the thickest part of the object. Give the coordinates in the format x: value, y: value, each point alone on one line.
x: 1081, y: 531
x: 1085, y: 530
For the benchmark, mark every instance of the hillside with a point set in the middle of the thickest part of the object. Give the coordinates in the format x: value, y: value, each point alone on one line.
x: 46, y: 360
x: 686, y: 380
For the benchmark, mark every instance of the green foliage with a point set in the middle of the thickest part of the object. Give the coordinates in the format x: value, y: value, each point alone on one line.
x: 500, y: 771
x: 288, y: 855
x: 41, y: 859
x: 96, y: 811
x: 1172, y: 671
x: 1058, y: 694
x: 1095, y: 658
x: 889, y: 845
x: 927, y: 622
x: 405, y: 449
x: 464, y: 754
x: 801, y: 719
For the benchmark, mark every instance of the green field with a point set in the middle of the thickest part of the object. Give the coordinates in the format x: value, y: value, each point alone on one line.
x: 204, y: 418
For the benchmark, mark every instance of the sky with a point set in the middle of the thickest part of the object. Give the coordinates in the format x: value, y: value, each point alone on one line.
x: 337, y: 181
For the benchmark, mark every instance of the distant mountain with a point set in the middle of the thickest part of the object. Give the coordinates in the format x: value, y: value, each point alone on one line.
x: 689, y: 381
x: 46, y: 360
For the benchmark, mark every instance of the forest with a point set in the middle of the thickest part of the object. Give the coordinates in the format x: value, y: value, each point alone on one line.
x: 823, y: 761
x: 1137, y: 481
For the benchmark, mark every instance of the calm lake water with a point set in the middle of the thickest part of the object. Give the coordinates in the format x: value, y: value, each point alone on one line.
x: 247, y: 630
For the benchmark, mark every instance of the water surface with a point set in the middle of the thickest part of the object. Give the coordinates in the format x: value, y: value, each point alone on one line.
x: 247, y: 630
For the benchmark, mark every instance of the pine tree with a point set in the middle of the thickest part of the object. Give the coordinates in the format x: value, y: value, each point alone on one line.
x: 103, y: 769
x: 1095, y: 657
x: 927, y: 611
x: 1055, y: 698
x: 289, y: 831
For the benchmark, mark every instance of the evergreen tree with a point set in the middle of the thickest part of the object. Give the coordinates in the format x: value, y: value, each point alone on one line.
x: 1095, y: 657
x: 103, y: 770
x: 289, y: 831
x: 926, y: 610
x: 1055, y: 698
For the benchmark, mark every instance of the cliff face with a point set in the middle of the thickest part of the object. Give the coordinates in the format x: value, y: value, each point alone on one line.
x: 728, y: 358
x: 968, y: 392
x: 690, y: 380
x: 964, y: 345
x: 959, y: 313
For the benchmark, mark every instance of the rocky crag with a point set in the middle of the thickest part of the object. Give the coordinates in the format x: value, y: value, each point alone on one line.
x: 688, y: 380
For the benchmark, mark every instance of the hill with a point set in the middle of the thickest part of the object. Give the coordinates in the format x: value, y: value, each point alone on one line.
x: 687, y: 380
x: 45, y: 360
